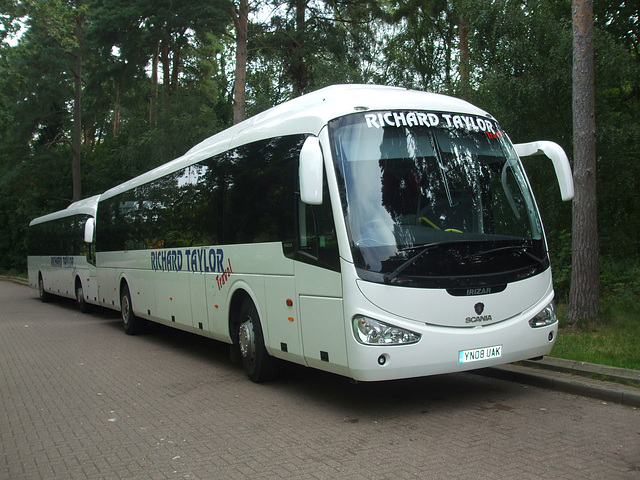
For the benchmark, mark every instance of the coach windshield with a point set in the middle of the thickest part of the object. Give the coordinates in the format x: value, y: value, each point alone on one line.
x: 435, y: 199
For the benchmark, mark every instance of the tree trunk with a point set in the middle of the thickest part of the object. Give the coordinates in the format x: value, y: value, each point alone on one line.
x: 154, y: 84
x: 299, y: 69
x: 76, y: 171
x: 241, y: 20
x: 166, y: 64
x: 448, y: 47
x: 584, y: 295
x: 465, y: 85
x: 175, y: 67
x: 116, y: 114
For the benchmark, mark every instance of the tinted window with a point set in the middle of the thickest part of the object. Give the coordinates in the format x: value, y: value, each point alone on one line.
x: 317, y: 240
x: 63, y: 236
x: 245, y: 195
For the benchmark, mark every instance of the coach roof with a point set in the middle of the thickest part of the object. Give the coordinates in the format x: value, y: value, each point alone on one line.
x: 86, y: 206
x: 307, y: 114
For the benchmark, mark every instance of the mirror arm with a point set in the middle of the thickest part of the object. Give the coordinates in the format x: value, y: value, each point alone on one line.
x: 559, y: 159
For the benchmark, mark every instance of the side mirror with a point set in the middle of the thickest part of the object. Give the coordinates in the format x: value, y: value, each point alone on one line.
x: 310, y: 171
x: 559, y: 160
x: 89, y: 228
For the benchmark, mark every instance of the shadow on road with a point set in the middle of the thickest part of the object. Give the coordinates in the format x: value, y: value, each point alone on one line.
x: 369, y: 399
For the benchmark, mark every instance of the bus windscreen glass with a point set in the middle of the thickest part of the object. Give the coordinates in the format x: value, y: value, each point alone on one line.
x: 435, y: 199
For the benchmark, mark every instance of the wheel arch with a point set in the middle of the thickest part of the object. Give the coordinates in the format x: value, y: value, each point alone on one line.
x: 78, y: 281
x: 258, y: 363
x: 240, y: 291
x: 44, y: 295
x: 238, y: 297
x: 124, y: 281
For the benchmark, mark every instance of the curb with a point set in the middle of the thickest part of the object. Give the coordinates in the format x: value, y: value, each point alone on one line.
x: 616, y: 374
x: 18, y: 280
x: 569, y: 376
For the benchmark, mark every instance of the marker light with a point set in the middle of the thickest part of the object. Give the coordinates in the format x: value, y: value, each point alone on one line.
x: 546, y: 317
x: 373, y: 332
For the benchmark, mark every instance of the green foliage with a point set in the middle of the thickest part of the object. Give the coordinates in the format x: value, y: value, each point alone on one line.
x: 27, y: 193
x: 560, y: 253
x: 614, y: 340
x: 185, y: 118
x: 419, y: 50
x: 308, y: 45
x: 520, y: 59
x: 620, y: 278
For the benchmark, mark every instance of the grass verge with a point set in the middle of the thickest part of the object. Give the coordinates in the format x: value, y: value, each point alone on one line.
x: 14, y: 273
x: 613, y: 340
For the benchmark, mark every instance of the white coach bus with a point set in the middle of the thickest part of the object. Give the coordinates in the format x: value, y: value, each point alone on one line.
x: 59, y: 260
x: 374, y: 232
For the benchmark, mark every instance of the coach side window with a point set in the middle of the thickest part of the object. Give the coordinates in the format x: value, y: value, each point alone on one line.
x: 259, y: 202
x: 317, y: 241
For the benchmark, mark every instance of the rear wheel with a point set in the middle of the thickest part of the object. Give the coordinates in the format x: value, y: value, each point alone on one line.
x: 82, y: 303
x: 259, y: 365
x: 44, y: 295
x: 131, y: 323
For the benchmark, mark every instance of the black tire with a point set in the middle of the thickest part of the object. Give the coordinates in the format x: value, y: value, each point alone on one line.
x: 131, y: 323
x: 44, y: 295
x: 82, y: 303
x: 259, y: 365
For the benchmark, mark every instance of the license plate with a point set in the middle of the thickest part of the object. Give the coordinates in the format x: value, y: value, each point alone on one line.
x: 478, y: 354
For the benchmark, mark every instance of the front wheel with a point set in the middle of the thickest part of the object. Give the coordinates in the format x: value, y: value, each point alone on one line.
x: 131, y: 323
x: 259, y: 365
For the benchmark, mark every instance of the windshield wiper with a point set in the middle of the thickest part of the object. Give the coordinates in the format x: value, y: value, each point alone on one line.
x: 517, y: 248
x: 388, y: 277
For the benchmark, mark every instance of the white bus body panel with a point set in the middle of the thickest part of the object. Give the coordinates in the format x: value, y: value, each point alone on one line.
x: 310, y: 332
x: 436, y: 307
x: 194, y: 293
x: 285, y: 334
x: 439, y: 347
x: 59, y: 272
x: 59, y: 275
x: 322, y: 316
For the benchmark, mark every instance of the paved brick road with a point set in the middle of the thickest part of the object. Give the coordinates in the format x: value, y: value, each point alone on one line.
x: 80, y: 399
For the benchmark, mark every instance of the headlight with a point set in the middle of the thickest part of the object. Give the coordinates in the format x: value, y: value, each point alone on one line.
x: 546, y: 317
x: 373, y: 332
